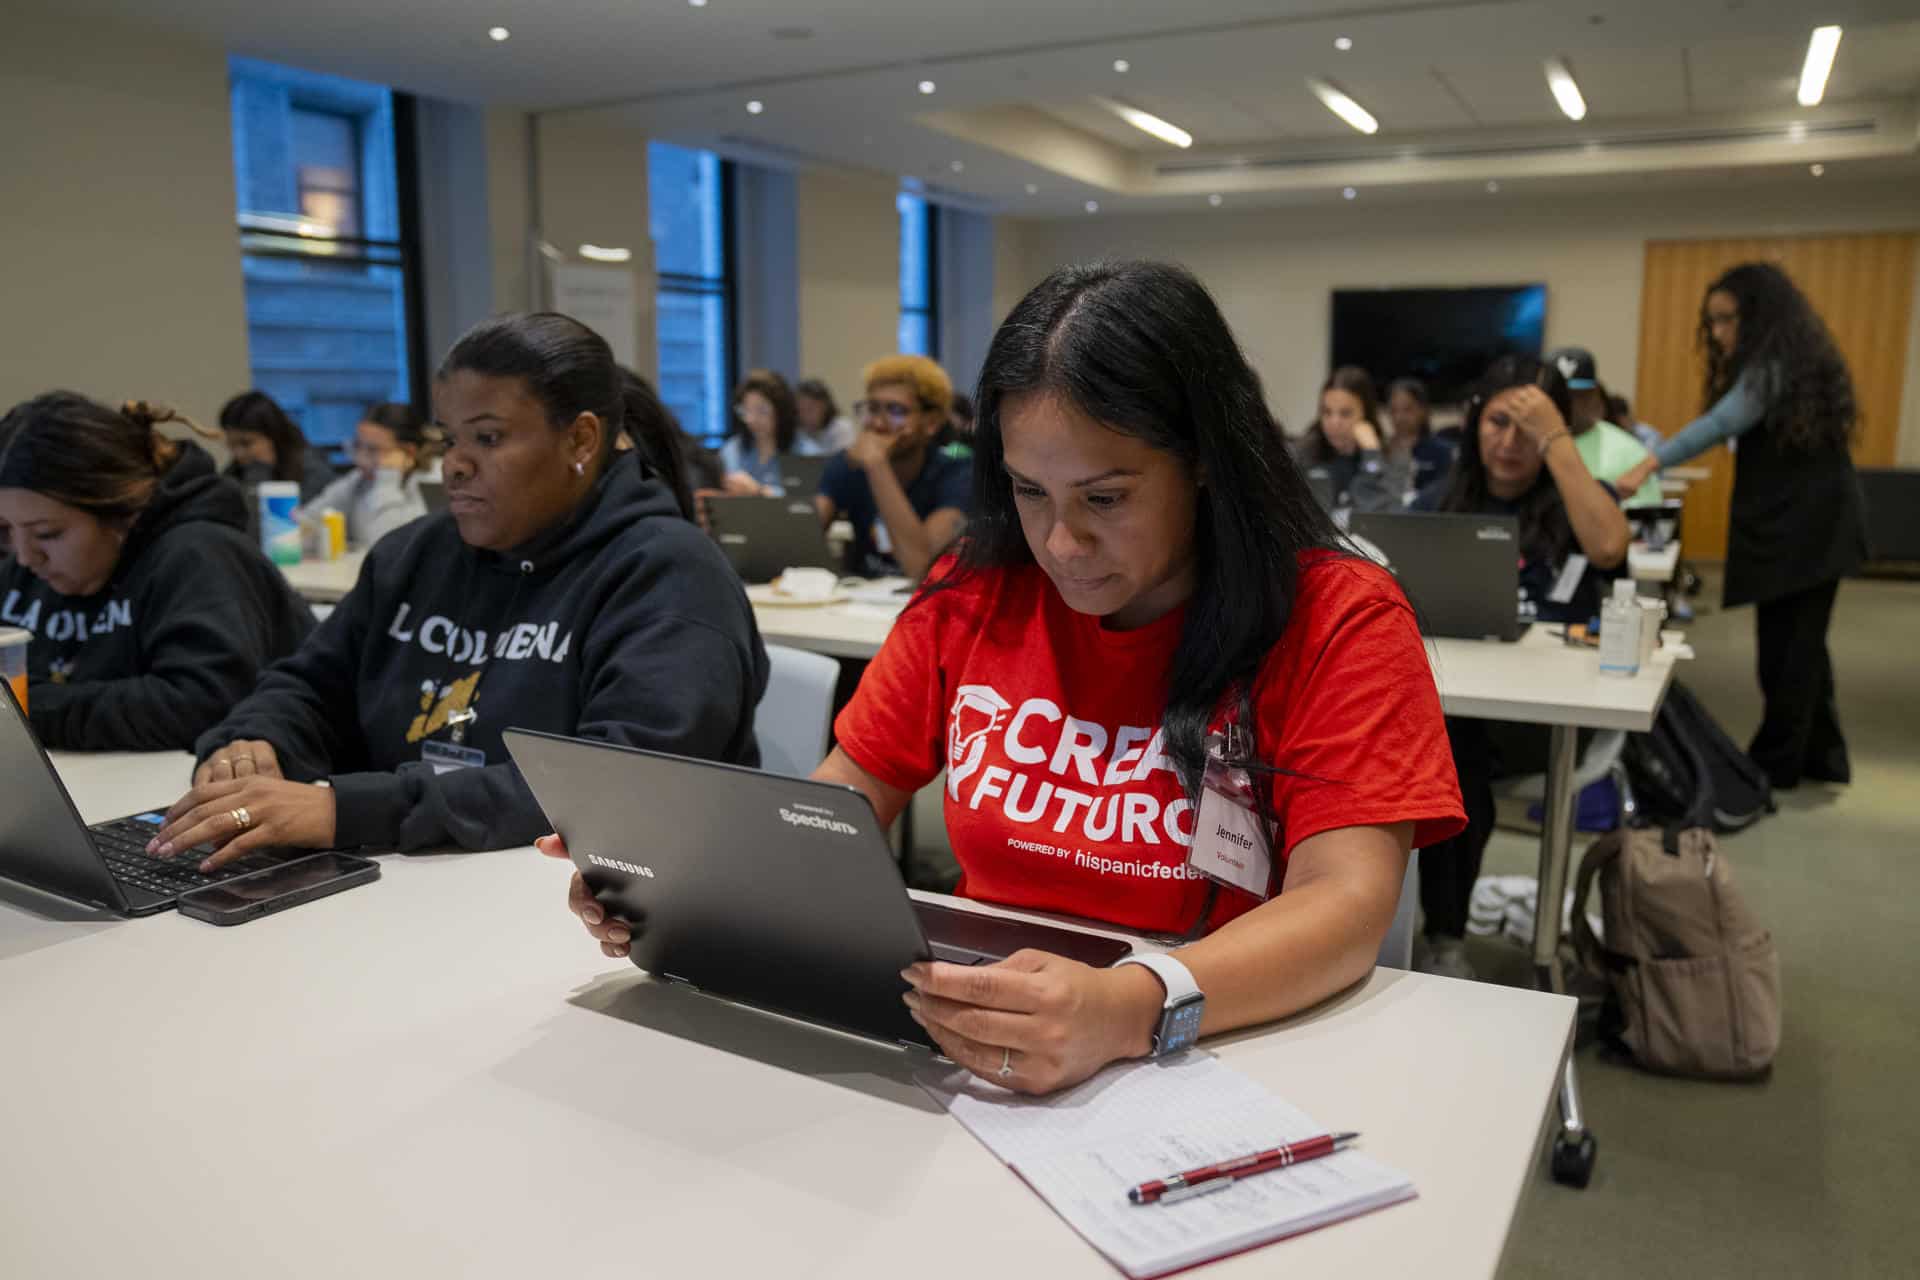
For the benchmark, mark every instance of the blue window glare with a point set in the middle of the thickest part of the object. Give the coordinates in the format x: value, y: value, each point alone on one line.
x: 917, y: 333
x: 686, y: 217
x: 318, y: 198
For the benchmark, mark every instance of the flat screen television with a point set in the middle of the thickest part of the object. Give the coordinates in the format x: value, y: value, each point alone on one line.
x: 1444, y: 337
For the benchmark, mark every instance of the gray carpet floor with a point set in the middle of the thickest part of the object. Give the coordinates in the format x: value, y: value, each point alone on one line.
x: 1814, y: 1171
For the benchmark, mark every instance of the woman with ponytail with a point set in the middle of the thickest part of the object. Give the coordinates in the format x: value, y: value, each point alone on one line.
x: 151, y: 610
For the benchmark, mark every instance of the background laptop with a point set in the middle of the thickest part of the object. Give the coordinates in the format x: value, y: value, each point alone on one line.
x: 44, y: 843
x: 771, y: 891
x: 1461, y: 573
x: 762, y: 536
x: 434, y: 494
x: 800, y: 476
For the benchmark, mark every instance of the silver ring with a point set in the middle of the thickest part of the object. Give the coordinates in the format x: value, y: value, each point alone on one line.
x: 1006, y: 1063
x: 242, y: 819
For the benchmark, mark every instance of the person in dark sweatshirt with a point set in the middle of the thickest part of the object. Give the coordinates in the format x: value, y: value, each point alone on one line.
x: 152, y: 612
x: 1342, y: 452
x: 561, y: 590
x: 265, y: 444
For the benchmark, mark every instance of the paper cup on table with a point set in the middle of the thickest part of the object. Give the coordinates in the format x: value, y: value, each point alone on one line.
x: 807, y: 584
x: 13, y: 662
x: 279, y: 531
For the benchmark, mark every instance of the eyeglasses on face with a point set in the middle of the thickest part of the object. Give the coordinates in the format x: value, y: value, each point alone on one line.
x: 892, y: 410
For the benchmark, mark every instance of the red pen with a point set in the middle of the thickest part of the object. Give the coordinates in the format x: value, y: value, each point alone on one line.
x: 1215, y: 1177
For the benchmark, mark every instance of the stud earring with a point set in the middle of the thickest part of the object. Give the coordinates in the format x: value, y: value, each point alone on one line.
x: 579, y: 468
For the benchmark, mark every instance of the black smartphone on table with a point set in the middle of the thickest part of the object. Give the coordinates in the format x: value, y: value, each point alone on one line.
x: 262, y: 893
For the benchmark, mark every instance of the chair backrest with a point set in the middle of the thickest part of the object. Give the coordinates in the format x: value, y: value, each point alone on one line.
x: 1396, y: 949
x: 796, y: 711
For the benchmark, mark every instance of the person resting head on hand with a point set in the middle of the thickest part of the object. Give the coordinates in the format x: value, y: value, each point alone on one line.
x: 1144, y: 574
x: 152, y: 611
x: 562, y: 590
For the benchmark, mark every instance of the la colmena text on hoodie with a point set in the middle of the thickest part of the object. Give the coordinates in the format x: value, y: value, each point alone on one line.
x: 441, y: 636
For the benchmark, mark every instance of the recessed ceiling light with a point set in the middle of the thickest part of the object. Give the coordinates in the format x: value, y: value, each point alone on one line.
x: 958, y: 166
x: 1821, y: 47
x: 1122, y: 65
x: 1033, y: 188
x: 1816, y: 169
x: 1216, y: 199
x: 1093, y: 206
x: 1337, y: 101
x: 698, y: 4
x: 1565, y: 91
x: 497, y: 34
x: 1348, y: 193
x: 926, y: 86
x: 755, y: 107
x: 1343, y: 43
x: 1492, y: 187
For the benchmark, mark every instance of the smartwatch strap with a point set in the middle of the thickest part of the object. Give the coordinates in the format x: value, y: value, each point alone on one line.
x: 1173, y: 975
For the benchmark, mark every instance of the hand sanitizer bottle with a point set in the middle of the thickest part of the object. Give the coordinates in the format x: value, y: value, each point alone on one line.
x: 1620, y: 631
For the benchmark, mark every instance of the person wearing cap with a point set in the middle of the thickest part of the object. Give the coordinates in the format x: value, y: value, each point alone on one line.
x: 1608, y: 450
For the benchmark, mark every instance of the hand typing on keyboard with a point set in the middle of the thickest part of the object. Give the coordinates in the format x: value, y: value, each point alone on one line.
x: 239, y: 815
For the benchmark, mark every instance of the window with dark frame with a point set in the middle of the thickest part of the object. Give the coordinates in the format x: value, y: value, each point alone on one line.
x: 919, y: 329
x: 690, y: 219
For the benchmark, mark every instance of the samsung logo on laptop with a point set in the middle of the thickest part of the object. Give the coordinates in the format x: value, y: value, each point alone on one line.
x: 819, y: 823
x: 1493, y: 533
x: 614, y: 864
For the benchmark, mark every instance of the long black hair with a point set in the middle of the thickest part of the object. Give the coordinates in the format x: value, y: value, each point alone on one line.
x: 1416, y: 389
x: 566, y: 366
x: 1545, y: 532
x: 1356, y: 382
x: 1141, y: 347
x: 1811, y: 395
x: 260, y: 414
x: 786, y: 412
x: 656, y: 436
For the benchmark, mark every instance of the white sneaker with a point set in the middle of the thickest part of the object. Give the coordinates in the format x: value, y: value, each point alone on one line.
x: 1447, y: 958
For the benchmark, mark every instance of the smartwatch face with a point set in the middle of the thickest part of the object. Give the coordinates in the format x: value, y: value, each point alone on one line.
x: 1180, y: 1026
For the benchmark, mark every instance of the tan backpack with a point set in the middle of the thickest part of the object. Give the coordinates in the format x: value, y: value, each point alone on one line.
x: 1695, y: 974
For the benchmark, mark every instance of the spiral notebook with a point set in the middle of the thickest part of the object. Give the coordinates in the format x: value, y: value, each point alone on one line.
x: 1084, y: 1147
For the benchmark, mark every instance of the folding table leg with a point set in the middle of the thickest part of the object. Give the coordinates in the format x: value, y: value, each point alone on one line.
x: 1573, y: 1149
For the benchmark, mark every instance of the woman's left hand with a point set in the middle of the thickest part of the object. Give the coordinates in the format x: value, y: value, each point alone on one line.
x: 1050, y: 1021
x: 240, y: 815
x: 1638, y: 474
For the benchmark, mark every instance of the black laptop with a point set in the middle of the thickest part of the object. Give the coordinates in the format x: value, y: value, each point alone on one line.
x: 43, y: 842
x: 1461, y: 573
x: 775, y: 892
x: 800, y: 473
x: 762, y: 537
x: 434, y: 494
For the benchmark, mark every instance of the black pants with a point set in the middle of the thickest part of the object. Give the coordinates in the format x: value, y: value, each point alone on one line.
x: 1799, y: 734
x: 1483, y: 750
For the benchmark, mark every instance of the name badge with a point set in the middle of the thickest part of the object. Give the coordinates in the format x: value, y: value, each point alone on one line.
x: 445, y: 757
x: 1231, y: 842
x: 1569, y: 580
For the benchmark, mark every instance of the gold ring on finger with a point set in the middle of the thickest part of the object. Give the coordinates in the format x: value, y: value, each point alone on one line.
x: 242, y: 819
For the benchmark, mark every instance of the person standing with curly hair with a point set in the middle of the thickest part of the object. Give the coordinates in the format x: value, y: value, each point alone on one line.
x: 1779, y: 388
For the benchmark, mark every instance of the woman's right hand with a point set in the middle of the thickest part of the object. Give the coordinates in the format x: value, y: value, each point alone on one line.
x: 614, y: 935
x: 241, y: 758
x: 1536, y: 414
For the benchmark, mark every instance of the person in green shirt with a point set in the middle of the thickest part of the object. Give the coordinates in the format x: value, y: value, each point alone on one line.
x: 1608, y: 450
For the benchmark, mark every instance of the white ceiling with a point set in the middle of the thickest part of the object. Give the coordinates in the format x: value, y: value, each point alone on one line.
x: 1016, y: 77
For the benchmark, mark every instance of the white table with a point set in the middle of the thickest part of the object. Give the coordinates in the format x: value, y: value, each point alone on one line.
x: 1656, y: 567
x: 324, y: 581
x: 437, y: 1075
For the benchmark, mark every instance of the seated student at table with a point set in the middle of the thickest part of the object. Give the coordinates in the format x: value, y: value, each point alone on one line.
x: 561, y: 590
x: 1609, y: 450
x: 824, y: 430
x: 1428, y: 453
x: 766, y: 423
x: 382, y: 492
x: 1343, y: 448
x: 905, y: 499
x: 1620, y: 413
x: 264, y: 444
x: 1144, y: 568
x: 1518, y: 460
x: 152, y: 611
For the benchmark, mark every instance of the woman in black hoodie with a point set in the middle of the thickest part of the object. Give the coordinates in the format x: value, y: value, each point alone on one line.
x: 561, y: 590
x: 151, y: 610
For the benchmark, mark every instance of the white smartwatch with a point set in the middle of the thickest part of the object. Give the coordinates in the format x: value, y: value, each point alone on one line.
x: 1180, y: 1015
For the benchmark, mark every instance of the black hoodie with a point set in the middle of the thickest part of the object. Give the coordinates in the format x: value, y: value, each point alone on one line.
x: 623, y: 624
x: 186, y: 622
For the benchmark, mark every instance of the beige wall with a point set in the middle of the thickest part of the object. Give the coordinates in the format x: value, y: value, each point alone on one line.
x: 1272, y: 270
x: 849, y: 258
x: 119, y: 262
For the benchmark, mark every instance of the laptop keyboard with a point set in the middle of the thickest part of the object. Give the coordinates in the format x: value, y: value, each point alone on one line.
x: 123, y: 844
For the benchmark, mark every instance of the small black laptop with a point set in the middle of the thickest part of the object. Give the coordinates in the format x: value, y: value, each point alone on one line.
x: 43, y: 842
x: 775, y: 892
x: 1461, y: 573
x: 800, y: 473
x: 762, y: 537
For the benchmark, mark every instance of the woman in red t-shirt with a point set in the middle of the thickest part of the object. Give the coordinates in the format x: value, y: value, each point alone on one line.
x: 1147, y: 569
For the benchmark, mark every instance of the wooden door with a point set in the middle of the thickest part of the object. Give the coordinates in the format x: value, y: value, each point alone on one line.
x: 1862, y: 286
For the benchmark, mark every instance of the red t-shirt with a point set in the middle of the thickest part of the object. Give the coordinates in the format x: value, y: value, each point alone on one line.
x: 1058, y: 796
